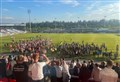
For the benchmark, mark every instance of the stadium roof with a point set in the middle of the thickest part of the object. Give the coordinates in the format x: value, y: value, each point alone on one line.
x: 22, y: 24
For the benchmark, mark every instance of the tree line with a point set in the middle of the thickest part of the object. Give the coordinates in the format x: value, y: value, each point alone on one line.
x: 73, y: 27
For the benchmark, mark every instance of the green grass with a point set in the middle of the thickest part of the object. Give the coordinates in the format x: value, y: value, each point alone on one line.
x: 111, y: 40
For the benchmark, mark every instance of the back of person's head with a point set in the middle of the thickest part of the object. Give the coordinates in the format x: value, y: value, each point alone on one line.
x: 117, y: 64
x: 71, y: 66
x: 57, y: 63
x: 20, y: 58
x: 92, y: 61
x: 77, y: 60
x: 103, y: 63
x: 84, y: 61
x: 78, y: 65
x: 53, y: 63
x: 35, y: 56
x: 72, y: 61
x: 109, y: 63
x: 10, y: 58
x: 84, y: 65
x: 96, y: 65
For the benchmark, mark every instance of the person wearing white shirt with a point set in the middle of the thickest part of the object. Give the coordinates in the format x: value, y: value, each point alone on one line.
x: 35, y: 70
x: 66, y: 74
x: 108, y: 74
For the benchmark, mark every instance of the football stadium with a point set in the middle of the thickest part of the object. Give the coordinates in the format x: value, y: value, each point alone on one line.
x: 60, y: 41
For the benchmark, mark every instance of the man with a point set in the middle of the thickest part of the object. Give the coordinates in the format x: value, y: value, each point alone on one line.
x: 84, y: 74
x: 46, y: 72
x: 20, y: 70
x: 36, y: 69
x: 58, y: 68
x: 95, y: 73
x: 108, y: 74
x: 53, y: 72
x: 117, y: 69
x: 2, y: 68
x: 117, y: 48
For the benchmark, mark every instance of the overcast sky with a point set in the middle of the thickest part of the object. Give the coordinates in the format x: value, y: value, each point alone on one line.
x: 16, y: 11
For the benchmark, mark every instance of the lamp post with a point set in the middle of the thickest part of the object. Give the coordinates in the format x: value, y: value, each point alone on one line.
x: 29, y: 12
x: 104, y: 21
x: 25, y: 28
x: 78, y: 23
x: 55, y: 23
x: 62, y: 26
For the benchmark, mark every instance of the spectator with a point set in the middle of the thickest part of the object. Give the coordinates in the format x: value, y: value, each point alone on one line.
x: 103, y: 65
x: 2, y: 68
x: 66, y: 74
x: 46, y: 71
x: 84, y: 73
x: 9, y: 68
x: 117, y: 69
x: 90, y: 67
x: 71, y: 67
x: 95, y: 73
x: 36, y: 69
x: 58, y: 71
x: 53, y: 72
x: 76, y: 72
x: 108, y: 74
x: 20, y: 70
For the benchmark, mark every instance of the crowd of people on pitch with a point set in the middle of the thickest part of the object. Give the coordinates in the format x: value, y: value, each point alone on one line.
x: 77, y: 49
x: 38, y: 68
x: 66, y: 49
x: 28, y: 46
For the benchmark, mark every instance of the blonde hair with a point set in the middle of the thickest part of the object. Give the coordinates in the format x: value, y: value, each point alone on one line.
x: 20, y: 58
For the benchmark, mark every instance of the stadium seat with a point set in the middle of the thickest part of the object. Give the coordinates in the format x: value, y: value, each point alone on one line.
x: 12, y: 80
x: 3, y: 80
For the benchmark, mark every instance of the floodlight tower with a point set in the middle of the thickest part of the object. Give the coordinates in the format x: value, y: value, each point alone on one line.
x: 104, y: 20
x: 78, y: 23
x: 29, y: 12
x: 55, y: 23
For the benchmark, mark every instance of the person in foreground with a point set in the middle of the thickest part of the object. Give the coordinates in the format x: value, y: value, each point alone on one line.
x: 35, y: 70
x: 108, y: 74
x: 20, y: 70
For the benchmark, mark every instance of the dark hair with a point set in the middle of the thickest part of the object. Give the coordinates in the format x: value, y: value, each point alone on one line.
x: 77, y: 60
x: 72, y: 60
x: 117, y: 64
x: 96, y: 64
x: 84, y: 61
x: 63, y: 58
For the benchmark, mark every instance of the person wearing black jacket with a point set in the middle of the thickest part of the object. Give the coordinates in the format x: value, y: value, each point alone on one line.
x: 84, y: 74
x: 20, y: 70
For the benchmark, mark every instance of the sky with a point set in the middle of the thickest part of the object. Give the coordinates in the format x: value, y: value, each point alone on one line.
x: 16, y: 11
